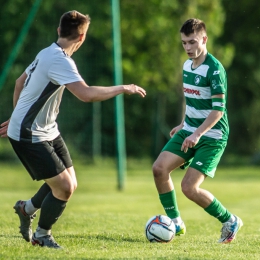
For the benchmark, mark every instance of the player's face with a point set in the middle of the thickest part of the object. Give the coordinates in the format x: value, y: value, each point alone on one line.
x: 194, y: 44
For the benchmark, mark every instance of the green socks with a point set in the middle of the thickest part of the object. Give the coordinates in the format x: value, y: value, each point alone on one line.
x: 217, y: 210
x: 169, y: 203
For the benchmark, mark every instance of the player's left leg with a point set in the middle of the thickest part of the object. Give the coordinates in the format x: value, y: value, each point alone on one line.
x: 230, y: 227
x: 191, y: 188
x: 30, y: 156
x: 207, y: 156
x: 26, y: 210
x: 25, y: 220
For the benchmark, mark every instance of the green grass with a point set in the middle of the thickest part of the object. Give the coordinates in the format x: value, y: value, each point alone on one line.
x: 101, y: 222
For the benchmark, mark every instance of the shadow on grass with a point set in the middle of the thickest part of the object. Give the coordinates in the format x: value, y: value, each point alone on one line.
x: 105, y: 237
x: 12, y: 236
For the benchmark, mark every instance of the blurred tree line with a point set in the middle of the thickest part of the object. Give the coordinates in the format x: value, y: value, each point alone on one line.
x: 152, y: 58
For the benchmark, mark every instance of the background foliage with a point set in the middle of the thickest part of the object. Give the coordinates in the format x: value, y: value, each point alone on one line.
x: 152, y: 58
x: 242, y: 27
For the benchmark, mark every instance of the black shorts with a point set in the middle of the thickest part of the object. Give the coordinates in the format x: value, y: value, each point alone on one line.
x: 43, y: 160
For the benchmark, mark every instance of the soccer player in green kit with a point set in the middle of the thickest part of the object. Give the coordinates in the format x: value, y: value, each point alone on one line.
x: 200, y: 140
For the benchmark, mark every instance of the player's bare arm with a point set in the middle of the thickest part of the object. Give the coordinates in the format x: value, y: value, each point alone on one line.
x: 17, y: 90
x: 176, y: 129
x: 3, y: 128
x: 209, y: 122
x: 19, y: 84
x: 95, y: 93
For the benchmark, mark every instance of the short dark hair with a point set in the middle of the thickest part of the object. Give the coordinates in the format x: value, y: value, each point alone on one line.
x: 71, y: 24
x: 193, y: 25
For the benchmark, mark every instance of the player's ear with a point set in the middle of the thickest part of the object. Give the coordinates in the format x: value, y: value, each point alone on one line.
x: 81, y: 37
x: 58, y: 30
x: 205, y: 38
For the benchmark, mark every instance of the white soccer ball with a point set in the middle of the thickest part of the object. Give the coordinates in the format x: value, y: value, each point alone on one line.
x: 160, y: 229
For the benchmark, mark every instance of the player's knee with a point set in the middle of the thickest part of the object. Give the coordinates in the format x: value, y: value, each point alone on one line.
x: 157, y: 171
x: 187, y: 190
x: 75, y: 185
x: 68, y: 189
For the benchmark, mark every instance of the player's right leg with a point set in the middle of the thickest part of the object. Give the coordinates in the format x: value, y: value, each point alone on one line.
x: 162, y: 167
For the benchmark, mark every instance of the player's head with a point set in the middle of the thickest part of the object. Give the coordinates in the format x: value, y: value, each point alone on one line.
x: 193, y: 26
x: 73, y: 24
x: 194, y: 37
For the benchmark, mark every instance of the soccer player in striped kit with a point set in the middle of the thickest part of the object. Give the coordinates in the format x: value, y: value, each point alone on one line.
x: 198, y: 143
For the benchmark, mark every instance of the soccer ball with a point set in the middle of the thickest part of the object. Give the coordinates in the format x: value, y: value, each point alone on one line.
x: 160, y: 229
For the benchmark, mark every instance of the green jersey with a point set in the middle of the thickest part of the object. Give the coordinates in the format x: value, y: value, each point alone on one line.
x: 199, y: 86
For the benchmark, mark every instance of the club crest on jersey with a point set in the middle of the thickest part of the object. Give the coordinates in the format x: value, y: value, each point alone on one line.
x: 214, y: 84
x: 197, y: 79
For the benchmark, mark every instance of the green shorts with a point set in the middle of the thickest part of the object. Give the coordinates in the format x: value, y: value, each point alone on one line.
x: 204, y: 156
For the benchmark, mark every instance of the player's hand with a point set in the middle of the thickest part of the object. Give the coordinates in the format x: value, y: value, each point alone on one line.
x: 175, y: 130
x: 189, y: 142
x: 3, y: 128
x: 133, y: 89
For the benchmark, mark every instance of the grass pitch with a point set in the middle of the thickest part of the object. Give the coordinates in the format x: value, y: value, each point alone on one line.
x: 101, y: 222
